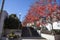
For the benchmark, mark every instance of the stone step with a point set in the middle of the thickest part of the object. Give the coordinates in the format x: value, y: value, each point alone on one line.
x: 33, y: 38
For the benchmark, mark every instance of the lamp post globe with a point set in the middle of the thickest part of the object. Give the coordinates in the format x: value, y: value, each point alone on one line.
x: 20, y: 16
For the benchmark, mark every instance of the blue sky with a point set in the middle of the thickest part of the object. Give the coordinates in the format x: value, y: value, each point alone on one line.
x: 19, y: 6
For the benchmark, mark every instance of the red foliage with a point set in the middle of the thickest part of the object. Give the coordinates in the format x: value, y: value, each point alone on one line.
x: 38, y: 10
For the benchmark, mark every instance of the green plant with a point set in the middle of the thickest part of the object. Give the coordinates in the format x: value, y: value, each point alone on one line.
x: 12, y: 22
x: 56, y: 32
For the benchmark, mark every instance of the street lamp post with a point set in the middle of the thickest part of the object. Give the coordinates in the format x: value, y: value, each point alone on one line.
x: 18, y: 30
x: 19, y: 20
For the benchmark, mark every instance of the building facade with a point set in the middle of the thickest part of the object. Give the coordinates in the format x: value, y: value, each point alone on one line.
x: 2, y: 18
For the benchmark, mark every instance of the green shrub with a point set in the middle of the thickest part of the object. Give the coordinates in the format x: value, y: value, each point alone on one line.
x: 56, y: 32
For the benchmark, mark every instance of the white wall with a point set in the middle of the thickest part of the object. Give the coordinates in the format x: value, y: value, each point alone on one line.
x: 47, y: 36
x: 56, y: 25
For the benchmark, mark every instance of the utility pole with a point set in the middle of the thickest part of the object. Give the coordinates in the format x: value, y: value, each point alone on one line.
x: 2, y: 6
